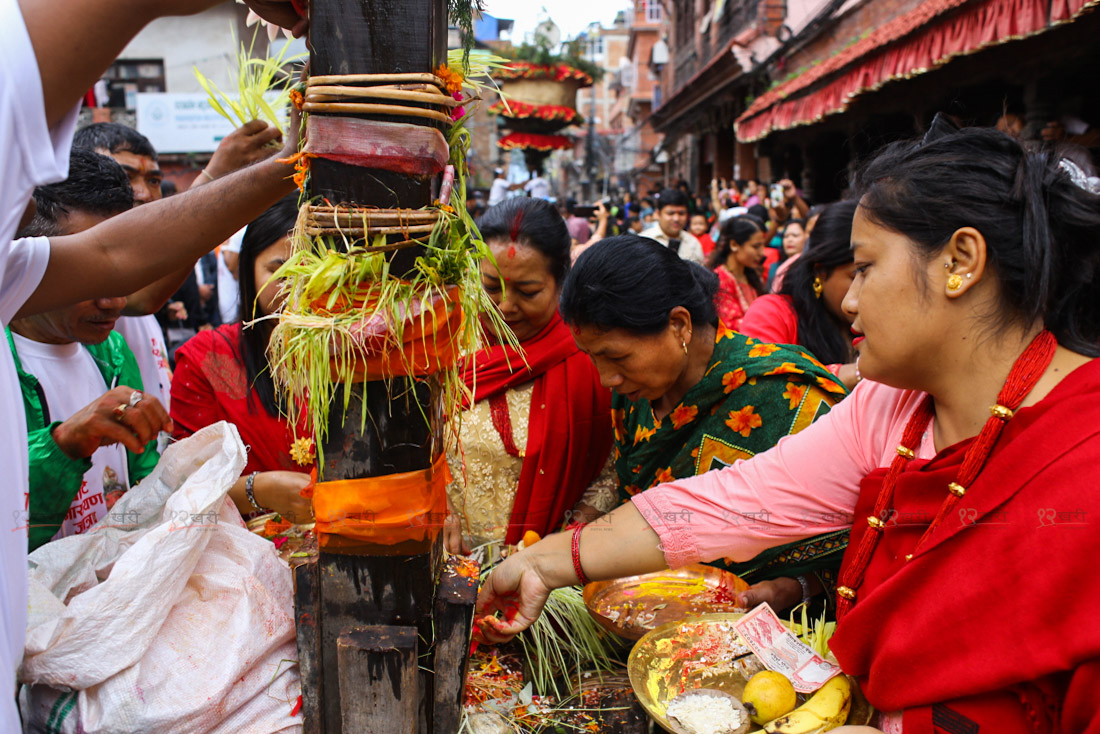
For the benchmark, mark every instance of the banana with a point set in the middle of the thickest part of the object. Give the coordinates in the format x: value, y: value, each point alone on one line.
x: 827, y: 709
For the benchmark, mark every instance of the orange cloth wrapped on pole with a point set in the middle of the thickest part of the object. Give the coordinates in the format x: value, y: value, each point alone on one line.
x: 428, y: 337
x: 385, y: 510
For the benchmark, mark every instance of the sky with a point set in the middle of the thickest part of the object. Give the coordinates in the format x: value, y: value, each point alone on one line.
x: 572, y: 16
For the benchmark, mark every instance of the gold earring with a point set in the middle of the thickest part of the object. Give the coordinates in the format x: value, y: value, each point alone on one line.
x: 684, y: 344
x: 819, y: 287
x: 954, y: 282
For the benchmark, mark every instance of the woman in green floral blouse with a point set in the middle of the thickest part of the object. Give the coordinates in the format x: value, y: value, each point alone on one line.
x: 692, y: 395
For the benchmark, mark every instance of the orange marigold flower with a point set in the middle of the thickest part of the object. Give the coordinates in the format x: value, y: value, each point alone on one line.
x: 724, y: 332
x: 297, y: 99
x: 733, y: 380
x: 744, y: 420
x: 683, y: 415
x: 787, y: 368
x: 643, y: 434
x: 763, y: 350
x: 794, y: 393
x: 450, y: 78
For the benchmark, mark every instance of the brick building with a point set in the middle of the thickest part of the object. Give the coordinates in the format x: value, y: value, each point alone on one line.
x: 815, y: 86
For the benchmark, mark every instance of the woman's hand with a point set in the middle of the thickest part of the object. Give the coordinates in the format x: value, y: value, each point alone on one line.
x: 452, y: 533
x: 516, y: 590
x: 281, y: 492
x: 782, y: 593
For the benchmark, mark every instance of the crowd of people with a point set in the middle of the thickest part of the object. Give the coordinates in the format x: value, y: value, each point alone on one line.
x: 865, y: 404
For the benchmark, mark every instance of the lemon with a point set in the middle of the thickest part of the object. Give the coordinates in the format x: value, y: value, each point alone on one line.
x: 769, y: 695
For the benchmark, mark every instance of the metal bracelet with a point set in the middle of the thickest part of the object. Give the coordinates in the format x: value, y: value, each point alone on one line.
x: 806, y: 596
x: 249, y: 486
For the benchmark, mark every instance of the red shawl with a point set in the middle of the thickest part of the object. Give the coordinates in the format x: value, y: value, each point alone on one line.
x: 994, y: 619
x: 569, y: 434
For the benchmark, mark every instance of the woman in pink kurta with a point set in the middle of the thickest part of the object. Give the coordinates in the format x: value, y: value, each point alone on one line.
x: 808, y: 309
x: 965, y: 602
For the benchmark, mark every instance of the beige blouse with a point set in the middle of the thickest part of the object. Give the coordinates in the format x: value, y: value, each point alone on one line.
x: 486, y: 476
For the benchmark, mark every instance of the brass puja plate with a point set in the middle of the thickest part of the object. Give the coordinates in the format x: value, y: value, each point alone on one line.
x: 697, y: 653
x: 634, y: 605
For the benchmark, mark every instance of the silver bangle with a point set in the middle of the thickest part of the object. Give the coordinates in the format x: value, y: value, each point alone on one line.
x: 806, y: 596
x: 249, y: 485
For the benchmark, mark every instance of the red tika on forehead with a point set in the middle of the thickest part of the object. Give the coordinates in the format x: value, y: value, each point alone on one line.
x: 511, y: 252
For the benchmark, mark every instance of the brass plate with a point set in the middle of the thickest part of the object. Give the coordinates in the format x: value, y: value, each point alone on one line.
x: 689, y: 654
x: 634, y: 605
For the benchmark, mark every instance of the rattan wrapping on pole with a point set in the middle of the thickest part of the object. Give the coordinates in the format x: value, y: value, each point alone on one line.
x: 344, y: 94
x: 358, y: 223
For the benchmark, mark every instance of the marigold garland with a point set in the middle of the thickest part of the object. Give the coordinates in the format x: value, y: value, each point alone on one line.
x: 557, y: 72
x: 534, y: 141
x: 523, y: 111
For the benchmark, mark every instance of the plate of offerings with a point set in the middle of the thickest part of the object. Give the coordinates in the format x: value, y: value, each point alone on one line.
x: 632, y: 606
x: 707, y: 652
x: 293, y: 542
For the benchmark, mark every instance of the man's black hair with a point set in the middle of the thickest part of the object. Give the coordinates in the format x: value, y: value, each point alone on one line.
x: 671, y: 197
x: 96, y: 185
x: 115, y: 138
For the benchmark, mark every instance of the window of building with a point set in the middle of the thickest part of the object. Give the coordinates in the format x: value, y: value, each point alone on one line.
x: 654, y: 13
x: 595, y: 46
x: 126, y: 77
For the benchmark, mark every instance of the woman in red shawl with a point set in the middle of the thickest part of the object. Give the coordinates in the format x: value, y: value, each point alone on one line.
x: 539, y: 430
x: 965, y: 463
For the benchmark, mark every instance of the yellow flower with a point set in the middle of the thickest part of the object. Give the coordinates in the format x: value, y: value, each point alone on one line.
x: 683, y: 415
x: 794, y: 393
x: 302, y: 451
x: 724, y: 332
x: 733, y: 380
x: 643, y: 434
x: 763, y: 350
x: 744, y: 420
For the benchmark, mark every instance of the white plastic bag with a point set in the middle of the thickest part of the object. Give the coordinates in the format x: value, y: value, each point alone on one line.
x: 168, y: 615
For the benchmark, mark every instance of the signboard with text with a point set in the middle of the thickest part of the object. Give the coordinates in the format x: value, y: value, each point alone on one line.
x: 181, y: 123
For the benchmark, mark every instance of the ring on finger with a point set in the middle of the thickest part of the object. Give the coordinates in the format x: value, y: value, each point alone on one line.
x: 135, y: 398
x: 120, y: 411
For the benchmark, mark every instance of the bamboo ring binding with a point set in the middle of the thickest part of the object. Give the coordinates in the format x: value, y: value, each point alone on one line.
x: 362, y: 223
x: 339, y: 94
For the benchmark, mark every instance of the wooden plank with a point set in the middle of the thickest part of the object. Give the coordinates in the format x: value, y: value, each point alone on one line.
x: 307, y: 621
x: 454, y: 615
x: 378, y: 679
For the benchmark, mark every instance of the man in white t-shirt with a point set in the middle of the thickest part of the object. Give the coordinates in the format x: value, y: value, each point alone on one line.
x: 92, y: 432
x: 671, y: 227
x: 537, y: 187
x: 39, y: 102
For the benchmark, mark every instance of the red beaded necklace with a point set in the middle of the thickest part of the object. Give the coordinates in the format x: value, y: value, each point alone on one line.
x: 1027, y: 370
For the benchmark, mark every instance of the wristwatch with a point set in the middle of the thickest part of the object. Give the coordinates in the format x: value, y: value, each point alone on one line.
x: 249, y: 486
x: 805, y: 588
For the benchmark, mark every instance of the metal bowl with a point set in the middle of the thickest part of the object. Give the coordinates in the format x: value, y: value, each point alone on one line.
x: 695, y: 653
x: 634, y: 605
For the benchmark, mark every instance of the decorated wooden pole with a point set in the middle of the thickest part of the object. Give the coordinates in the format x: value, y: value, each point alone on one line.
x: 378, y: 310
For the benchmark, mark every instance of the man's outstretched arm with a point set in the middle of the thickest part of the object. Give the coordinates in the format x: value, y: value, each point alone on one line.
x: 76, y: 40
x: 133, y: 249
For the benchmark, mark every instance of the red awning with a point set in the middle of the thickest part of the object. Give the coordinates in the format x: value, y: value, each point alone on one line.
x: 909, y: 45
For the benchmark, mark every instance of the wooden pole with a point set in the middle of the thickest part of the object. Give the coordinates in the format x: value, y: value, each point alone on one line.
x: 388, y: 589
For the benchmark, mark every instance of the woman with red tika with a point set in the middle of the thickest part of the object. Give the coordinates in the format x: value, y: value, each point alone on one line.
x: 538, y: 431
x: 964, y: 463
